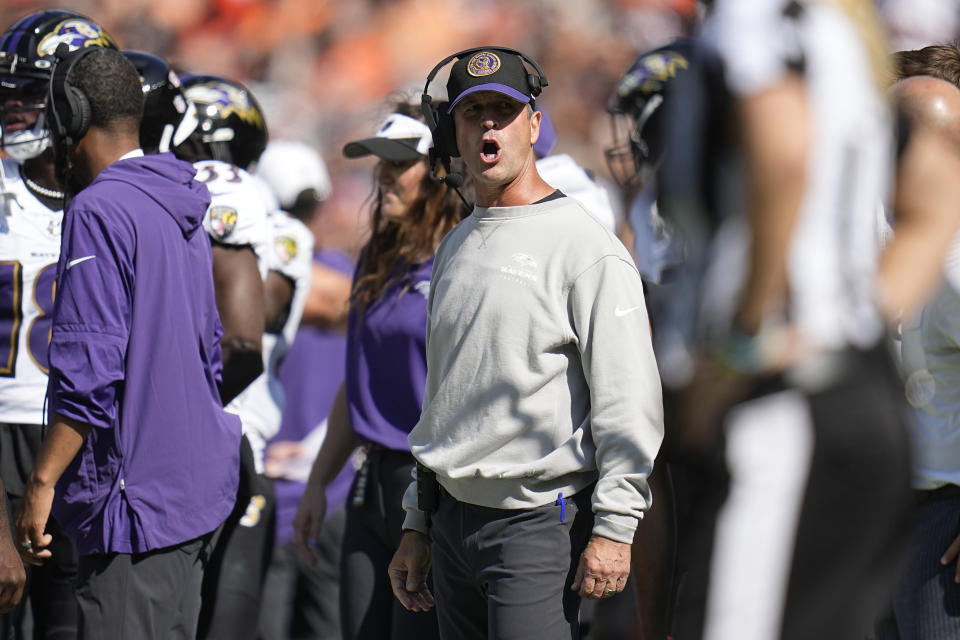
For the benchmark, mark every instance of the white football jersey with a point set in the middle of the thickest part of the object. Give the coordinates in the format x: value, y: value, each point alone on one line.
x: 29, y: 249
x: 238, y: 212
x: 834, y: 247
x: 292, y: 256
x: 260, y: 406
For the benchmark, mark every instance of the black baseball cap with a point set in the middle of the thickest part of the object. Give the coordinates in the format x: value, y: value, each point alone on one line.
x: 489, y: 71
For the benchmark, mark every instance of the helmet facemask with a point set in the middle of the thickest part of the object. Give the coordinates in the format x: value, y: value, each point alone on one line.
x: 26, y: 60
x: 23, y: 117
x: 630, y: 158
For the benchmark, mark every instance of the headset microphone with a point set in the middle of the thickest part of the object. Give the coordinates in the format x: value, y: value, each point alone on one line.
x: 453, y: 179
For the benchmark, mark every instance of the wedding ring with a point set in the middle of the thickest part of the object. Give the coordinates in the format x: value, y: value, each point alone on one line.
x: 28, y: 545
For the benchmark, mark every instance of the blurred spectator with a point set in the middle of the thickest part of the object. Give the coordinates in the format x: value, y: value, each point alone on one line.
x: 916, y: 23
x: 793, y: 373
x: 562, y: 172
x: 925, y: 605
x: 636, y: 109
x: 301, y: 601
x: 299, y: 177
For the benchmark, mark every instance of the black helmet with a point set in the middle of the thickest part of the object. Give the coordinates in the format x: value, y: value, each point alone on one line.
x: 26, y: 60
x: 232, y: 127
x: 168, y: 117
x: 635, y: 109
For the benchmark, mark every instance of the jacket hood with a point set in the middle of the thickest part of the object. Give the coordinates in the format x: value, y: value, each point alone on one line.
x: 169, y: 182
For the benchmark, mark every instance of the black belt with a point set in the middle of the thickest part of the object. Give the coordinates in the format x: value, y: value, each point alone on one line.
x: 940, y: 493
x: 372, y: 448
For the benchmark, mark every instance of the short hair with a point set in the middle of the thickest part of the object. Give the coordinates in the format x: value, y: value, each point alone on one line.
x: 941, y: 61
x: 112, y: 86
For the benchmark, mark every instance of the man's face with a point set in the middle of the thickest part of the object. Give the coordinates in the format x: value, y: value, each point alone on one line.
x: 21, y: 103
x: 495, y: 135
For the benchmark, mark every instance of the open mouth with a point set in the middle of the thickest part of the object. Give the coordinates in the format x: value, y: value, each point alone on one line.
x: 18, y: 118
x: 490, y: 151
x: 13, y: 123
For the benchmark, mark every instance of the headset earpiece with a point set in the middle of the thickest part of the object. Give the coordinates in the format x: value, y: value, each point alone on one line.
x: 426, y: 106
x: 534, y: 81
x: 69, y: 107
x: 441, y: 128
x: 445, y: 133
x: 80, y: 111
x: 69, y: 113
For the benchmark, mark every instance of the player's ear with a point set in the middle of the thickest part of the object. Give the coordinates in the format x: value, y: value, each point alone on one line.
x: 535, y: 118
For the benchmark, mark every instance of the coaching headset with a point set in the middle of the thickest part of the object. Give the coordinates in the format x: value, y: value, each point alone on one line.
x: 440, y: 122
x: 68, y: 109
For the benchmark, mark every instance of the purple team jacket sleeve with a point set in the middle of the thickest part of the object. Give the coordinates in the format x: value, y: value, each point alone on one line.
x: 91, y: 320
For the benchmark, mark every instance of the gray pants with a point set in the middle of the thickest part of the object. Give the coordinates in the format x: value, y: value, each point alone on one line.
x: 506, y: 573
x: 368, y: 608
x: 300, y: 601
x: 148, y: 596
x: 927, y: 603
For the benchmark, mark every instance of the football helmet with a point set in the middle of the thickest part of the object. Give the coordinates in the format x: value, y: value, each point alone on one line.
x: 635, y: 110
x: 26, y: 60
x: 168, y: 117
x: 231, y: 123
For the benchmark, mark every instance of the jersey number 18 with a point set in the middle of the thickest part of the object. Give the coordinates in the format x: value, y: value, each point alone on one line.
x: 11, y: 316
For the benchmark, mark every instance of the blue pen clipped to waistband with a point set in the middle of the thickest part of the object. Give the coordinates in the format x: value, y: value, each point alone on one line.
x: 563, y: 505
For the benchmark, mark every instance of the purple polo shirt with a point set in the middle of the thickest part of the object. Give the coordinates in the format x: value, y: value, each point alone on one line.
x: 311, y: 374
x: 387, y: 363
x: 135, y: 353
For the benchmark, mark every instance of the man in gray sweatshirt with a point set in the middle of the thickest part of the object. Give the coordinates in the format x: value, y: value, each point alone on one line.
x: 542, y: 411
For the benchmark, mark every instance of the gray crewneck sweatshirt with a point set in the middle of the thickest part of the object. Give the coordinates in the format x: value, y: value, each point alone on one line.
x: 541, y: 377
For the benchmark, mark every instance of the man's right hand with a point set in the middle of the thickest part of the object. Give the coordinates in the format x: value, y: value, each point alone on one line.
x: 308, y: 520
x: 408, y: 572
x: 31, y: 522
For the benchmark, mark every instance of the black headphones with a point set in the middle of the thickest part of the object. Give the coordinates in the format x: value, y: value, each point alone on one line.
x: 441, y: 123
x: 68, y: 107
x: 68, y: 113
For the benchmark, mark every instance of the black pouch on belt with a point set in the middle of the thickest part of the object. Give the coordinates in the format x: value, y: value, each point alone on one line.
x: 428, y: 490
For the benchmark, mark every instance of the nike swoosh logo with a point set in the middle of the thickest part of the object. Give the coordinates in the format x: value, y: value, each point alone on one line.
x: 77, y: 261
x: 622, y: 312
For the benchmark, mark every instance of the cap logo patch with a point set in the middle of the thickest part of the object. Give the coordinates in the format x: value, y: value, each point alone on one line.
x: 483, y: 64
x: 652, y: 72
x: 77, y: 34
x: 222, y: 221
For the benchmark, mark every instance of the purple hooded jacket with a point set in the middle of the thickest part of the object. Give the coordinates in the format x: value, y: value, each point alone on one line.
x: 135, y: 353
